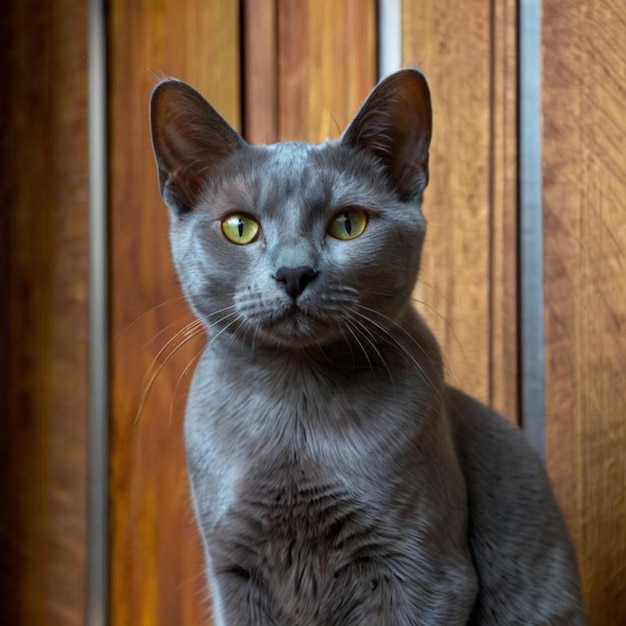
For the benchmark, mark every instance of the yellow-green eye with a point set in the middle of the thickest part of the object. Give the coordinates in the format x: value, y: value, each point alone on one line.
x: 348, y: 224
x: 240, y: 228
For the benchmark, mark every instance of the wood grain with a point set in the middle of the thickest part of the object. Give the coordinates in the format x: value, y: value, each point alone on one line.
x: 585, y: 263
x: 43, y: 319
x: 157, y: 561
x: 260, y: 71
x: 326, y: 65
x: 468, y: 286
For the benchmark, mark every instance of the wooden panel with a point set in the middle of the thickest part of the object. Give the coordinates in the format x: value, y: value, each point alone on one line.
x: 585, y: 264
x: 327, y: 65
x: 261, y: 71
x: 157, y: 573
x: 467, y: 289
x: 309, y: 66
x: 43, y: 318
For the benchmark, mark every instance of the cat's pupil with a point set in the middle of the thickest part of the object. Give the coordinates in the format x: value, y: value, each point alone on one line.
x: 346, y: 224
x: 240, y: 227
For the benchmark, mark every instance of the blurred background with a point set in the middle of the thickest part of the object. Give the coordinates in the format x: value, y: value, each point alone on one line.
x: 295, y: 69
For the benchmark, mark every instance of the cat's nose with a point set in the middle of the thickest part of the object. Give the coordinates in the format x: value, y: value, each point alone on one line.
x: 295, y: 279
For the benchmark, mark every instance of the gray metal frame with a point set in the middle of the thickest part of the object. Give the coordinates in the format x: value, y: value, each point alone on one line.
x: 389, y: 24
x: 532, y: 347
x: 97, y: 587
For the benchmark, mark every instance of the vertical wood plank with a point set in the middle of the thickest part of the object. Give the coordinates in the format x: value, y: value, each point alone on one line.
x: 467, y: 288
x: 43, y: 319
x: 261, y: 71
x: 584, y: 263
x: 157, y: 575
x: 327, y: 65
x: 504, y: 391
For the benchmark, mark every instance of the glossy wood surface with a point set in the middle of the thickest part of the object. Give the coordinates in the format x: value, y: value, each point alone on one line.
x: 157, y: 562
x: 310, y: 64
x: 584, y: 167
x: 468, y: 286
x: 43, y: 316
x: 326, y: 65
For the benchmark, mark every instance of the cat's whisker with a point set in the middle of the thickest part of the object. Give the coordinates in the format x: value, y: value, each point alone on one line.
x: 368, y: 336
x: 351, y: 330
x: 254, y: 337
x: 395, y: 341
x: 192, y: 330
x: 426, y: 305
x: 163, y: 331
x: 236, y: 318
x: 188, y: 328
x: 180, y: 378
x: 422, y: 303
x: 396, y: 325
x: 151, y: 310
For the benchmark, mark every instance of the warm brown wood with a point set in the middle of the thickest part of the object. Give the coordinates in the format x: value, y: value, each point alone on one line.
x: 585, y: 265
x: 503, y: 284
x: 326, y: 65
x: 157, y: 575
x: 467, y: 289
x: 43, y: 318
x: 261, y: 71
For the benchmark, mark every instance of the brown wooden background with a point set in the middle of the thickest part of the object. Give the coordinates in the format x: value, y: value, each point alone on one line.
x: 43, y: 312
x: 294, y: 69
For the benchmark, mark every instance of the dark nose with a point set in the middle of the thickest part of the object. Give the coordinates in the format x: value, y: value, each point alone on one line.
x: 295, y: 279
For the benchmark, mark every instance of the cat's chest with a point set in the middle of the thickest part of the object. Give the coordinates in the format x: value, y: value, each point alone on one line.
x: 294, y: 447
x: 299, y: 497
x: 293, y: 518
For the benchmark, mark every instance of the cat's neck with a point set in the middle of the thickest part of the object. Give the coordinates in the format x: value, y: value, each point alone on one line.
x: 405, y: 349
x: 306, y: 396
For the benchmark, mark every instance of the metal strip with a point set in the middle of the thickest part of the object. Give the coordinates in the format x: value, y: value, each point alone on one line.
x: 389, y: 37
x: 532, y: 350
x: 97, y: 498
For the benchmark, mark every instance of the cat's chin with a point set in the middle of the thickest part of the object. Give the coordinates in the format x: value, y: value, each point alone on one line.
x: 295, y: 328
x: 296, y: 332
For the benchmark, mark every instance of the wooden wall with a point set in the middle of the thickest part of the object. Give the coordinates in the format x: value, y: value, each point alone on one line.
x: 43, y: 315
x: 584, y: 165
x: 468, y: 284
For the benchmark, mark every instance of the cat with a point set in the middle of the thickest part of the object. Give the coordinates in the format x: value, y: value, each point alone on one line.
x: 337, y: 480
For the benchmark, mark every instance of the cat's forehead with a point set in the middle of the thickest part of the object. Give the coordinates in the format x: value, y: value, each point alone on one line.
x: 311, y: 175
x: 291, y: 157
x: 294, y: 168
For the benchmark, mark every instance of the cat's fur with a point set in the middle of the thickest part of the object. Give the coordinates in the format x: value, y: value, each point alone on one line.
x: 337, y: 480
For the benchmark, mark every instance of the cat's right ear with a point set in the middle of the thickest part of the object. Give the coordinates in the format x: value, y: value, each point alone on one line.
x: 190, y: 138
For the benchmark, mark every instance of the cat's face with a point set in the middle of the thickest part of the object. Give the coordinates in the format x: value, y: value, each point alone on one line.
x: 293, y: 244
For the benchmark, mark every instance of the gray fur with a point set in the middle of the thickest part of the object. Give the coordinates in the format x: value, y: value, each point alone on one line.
x: 337, y: 480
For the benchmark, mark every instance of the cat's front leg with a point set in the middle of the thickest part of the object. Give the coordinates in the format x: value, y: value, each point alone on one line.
x: 238, y: 601
x: 414, y: 595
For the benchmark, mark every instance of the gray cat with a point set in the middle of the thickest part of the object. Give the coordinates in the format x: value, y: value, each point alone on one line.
x: 337, y: 480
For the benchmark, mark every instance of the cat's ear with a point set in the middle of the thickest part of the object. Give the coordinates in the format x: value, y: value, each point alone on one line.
x: 190, y: 138
x: 395, y: 125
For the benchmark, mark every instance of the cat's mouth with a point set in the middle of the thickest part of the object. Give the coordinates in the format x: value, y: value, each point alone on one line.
x: 296, y: 326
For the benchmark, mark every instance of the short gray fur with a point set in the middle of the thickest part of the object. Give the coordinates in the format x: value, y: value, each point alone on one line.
x: 337, y: 480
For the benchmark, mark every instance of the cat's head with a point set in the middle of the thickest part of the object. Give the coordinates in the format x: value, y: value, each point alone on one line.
x: 296, y: 244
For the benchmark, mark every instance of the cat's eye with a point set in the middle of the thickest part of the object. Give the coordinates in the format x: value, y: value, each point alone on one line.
x: 348, y: 224
x: 240, y: 228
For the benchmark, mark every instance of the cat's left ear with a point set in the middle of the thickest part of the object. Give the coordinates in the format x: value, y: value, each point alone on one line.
x: 395, y: 125
x: 190, y: 138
